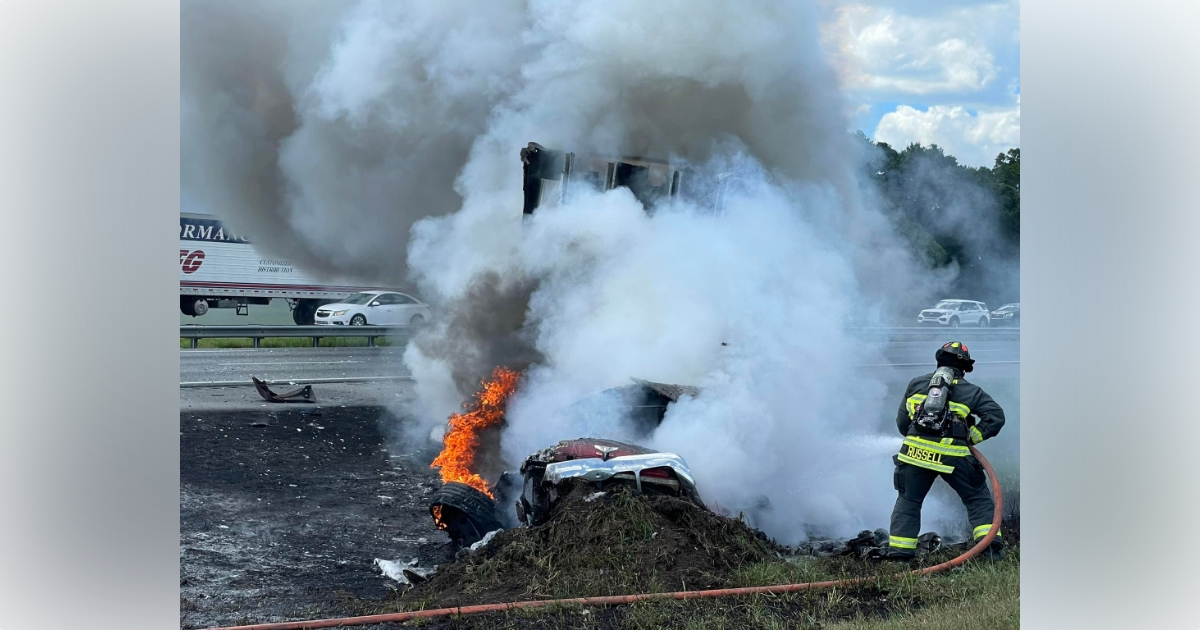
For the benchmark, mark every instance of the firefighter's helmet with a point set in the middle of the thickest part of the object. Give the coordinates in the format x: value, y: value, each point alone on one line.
x: 955, y: 354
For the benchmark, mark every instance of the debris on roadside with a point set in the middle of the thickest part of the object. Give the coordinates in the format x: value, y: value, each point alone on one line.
x: 407, y: 573
x: 865, y: 545
x: 302, y: 395
x: 487, y: 538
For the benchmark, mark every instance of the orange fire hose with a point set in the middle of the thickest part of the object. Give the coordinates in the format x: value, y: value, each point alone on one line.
x: 629, y: 599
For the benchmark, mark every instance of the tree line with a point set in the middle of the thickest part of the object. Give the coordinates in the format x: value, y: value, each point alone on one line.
x: 954, y: 216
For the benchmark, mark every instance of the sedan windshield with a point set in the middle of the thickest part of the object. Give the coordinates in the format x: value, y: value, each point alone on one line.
x: 949, y: 306
x: 359, y: 298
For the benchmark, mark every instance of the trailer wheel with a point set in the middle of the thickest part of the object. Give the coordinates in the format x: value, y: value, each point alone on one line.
x: 193, y: 306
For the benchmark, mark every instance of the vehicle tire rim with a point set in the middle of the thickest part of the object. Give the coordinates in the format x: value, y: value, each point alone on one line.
x: 417, y: 320
x: 954, y: 323
x: 357, y: 320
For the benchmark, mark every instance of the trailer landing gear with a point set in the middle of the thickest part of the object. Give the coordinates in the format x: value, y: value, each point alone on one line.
x: 304, y: 313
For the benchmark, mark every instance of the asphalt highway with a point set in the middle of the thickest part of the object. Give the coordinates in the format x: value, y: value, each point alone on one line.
x: 283, y: 364
x: 994, y: 359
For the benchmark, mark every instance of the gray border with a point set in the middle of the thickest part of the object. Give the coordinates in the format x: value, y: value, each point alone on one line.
x: 1109, y: 435
x: 89, y: 452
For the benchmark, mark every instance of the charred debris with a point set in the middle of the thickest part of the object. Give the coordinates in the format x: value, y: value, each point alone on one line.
x: 538, y: 491
x: 468, y: 507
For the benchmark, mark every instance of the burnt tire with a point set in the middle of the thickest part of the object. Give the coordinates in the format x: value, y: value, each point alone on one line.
x: 467, y: 513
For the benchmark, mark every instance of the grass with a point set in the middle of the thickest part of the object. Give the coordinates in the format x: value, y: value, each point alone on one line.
x: 979, y: 595
x: 287, y: 342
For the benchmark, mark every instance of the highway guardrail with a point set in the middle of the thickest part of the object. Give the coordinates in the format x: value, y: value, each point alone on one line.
x: 257, y: 333
x: 937, y: 333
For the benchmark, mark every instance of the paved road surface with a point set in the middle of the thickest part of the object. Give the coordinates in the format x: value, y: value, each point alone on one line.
x: 278, y: 364
x: 994, y: 359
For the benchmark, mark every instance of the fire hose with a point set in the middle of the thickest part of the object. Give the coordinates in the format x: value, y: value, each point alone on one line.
x: 611, y: 600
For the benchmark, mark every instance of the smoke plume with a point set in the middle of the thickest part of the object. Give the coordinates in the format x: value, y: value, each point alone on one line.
x: 380, y: 141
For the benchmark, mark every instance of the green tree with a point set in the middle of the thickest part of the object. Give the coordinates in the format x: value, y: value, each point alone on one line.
x: 952, y: 213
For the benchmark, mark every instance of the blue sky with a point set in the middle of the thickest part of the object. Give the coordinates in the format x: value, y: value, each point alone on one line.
x: 934, y: 72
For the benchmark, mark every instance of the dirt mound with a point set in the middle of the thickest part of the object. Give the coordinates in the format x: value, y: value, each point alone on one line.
x: 601, y: 544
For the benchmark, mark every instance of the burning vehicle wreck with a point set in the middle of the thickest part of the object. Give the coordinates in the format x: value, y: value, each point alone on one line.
x: 467, y: 514
x: 604, y: 464
x: 468, y: 507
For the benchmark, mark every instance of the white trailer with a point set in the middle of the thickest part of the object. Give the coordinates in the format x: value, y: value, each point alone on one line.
x: 219, y: 269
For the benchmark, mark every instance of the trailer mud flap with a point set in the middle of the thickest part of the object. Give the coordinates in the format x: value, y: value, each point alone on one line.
x: 302, y: 395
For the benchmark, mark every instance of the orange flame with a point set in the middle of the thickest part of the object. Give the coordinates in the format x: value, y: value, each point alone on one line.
x: 437, y: 517
x: 462, y: 437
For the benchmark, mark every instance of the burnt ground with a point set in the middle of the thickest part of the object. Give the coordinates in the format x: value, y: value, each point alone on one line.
x: 283, y: 511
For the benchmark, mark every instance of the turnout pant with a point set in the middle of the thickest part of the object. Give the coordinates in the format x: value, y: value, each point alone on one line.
x: 913, y: 483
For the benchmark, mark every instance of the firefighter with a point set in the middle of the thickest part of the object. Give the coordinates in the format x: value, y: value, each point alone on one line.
x: 936, y: 446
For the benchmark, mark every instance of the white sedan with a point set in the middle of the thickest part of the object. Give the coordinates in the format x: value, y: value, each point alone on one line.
x: 377, y: 308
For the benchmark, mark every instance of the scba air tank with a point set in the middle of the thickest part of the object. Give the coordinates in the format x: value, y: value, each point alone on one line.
x: 933, y: 414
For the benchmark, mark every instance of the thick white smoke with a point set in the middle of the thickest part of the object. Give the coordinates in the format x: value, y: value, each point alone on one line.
x: 622, y: 294
x: 395, y: 111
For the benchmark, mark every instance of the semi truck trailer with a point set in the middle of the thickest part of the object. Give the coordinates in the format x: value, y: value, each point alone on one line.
x: 220, y: 269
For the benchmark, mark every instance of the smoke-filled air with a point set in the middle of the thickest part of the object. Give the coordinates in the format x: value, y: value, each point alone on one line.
x: 380, y: 140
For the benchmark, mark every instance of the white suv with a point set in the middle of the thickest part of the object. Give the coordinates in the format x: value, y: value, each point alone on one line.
x: 955, y: 313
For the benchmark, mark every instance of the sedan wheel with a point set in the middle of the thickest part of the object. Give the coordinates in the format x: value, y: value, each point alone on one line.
x: 358, y: 320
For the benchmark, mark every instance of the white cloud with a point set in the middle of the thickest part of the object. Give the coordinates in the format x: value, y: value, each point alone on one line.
x: 975, y: 139
x: 882, y: 50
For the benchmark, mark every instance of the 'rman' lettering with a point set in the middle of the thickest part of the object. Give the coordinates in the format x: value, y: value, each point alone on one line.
x: 196, y: 229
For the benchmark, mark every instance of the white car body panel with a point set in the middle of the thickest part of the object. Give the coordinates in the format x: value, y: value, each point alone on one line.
x: 382, y: 315
x: 968, y: 313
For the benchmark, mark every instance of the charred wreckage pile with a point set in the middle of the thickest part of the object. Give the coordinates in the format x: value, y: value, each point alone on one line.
x: 471, y: 509
x: 468, y: 507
